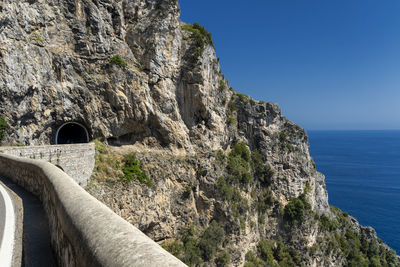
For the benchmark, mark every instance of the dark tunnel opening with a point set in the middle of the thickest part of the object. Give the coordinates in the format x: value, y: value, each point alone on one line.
x: 72, y: 133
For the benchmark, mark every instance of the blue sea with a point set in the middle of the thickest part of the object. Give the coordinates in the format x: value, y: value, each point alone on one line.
x: 362, y: 174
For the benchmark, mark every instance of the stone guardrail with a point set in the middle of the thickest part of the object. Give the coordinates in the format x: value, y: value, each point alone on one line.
x: 84, y: 232
x: 77, y: 160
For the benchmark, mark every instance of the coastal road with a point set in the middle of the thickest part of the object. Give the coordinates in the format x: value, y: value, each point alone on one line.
x: 32, y: 247
x: 7, y: 228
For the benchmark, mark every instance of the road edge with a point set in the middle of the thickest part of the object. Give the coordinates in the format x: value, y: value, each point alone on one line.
x: 7, y: 242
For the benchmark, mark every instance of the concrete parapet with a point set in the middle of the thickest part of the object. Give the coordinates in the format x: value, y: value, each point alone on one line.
x: 77, y: 160
x: 84, y: 231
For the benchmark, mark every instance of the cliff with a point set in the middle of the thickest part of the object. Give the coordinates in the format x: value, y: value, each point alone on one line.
x: 227, y: 176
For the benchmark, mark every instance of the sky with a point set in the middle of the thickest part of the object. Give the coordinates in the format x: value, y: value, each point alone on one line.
x: 329, y: 64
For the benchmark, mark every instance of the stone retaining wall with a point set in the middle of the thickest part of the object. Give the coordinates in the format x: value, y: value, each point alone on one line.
x: 77, y: 160
x: 84, y: 231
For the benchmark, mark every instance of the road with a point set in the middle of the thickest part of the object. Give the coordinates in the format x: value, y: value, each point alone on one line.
x: 7, y: 227
x: 36, y: 247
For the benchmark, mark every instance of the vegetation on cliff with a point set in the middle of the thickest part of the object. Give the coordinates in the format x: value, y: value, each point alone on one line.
x: 246, y: 203
x: 3, y: 128
x: 201, y: 38
x: 195, y: 247
x: 118, y: 60
x: 360, y: 248
x: 233, y: 168
x: 132, y: 169
x: 114, y: 168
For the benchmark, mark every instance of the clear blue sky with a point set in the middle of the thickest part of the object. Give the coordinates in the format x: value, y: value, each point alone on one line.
x: 329, y: 64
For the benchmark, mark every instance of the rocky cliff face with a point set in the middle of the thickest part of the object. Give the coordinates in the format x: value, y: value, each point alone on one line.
x: 56, y: 68
x: 132, y: 73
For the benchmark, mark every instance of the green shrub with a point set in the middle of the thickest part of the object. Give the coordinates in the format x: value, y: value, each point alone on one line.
x: 223, y: 258
x: 355, y: 247
x: 175, y: 247
x: 327, y: 224
x: 132, y: 169
x: 99, y: 147
x: 220, y: 156
x: 265, y: 251
x: 213, y: 236
x: 262, y: 170
x: 221, y: 85
x: 269, y: 252
x: 39, y: 39
x: 285, y: 255
x: 282, y: 137
x: 200, y: 172
x: 3, y: 128
x: 264, y: 200
x: 232, y: 106
x: 230, y: 120
x: 243, y: 98
x: 240, y: 149
x: 225, y: 189
x: 189, y: 252
x: 239, y: 168
x: 295, y: 211
x: 253, y: 261
x: 117, y: 60
x: 194, y: 250
x: 391, y: 258
x: 201, y: 38
x: 237, y: 204
x: 199, y: 30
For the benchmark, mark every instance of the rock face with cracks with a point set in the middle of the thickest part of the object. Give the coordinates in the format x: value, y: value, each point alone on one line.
x: 131, y: 72
x: 56, y: 68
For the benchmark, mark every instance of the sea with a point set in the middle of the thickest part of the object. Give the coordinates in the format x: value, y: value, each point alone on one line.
x: 362, y: 174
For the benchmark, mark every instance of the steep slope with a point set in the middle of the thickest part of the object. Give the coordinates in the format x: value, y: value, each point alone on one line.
x: 225, y: 171
x: 57, y: 66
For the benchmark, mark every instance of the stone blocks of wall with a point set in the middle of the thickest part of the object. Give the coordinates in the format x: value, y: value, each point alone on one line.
x: 77, y: 160
x: 84, y: 231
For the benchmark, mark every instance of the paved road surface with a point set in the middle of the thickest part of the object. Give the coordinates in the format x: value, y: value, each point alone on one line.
x: 2, y: 217
x: 7, y: 227
x: 36, y: 248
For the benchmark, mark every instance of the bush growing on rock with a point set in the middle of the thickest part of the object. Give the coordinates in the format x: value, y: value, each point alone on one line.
x: 239, y: 168
x: 295, y: 211
x: 117, y: 60
x: 200, y: 36
x: 3, y: 128
x: 211, y: 238
x: 262, y: 170
x: 132, y: 169
x: 232, y: 106
x: 272, y: 253
x: 230, y: 120
x: 195, y: 248
x: 264, y: 201
x: 327, y: 224
x: 221, y: 85
x: 223, y: 259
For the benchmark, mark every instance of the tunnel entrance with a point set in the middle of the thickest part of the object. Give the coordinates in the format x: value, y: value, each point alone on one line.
x: 72, y: 133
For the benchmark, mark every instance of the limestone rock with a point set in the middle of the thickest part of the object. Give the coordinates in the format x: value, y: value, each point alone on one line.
x: 56, y: 67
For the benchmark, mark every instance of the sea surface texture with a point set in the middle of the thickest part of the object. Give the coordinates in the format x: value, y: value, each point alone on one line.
x: 362, y: 170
